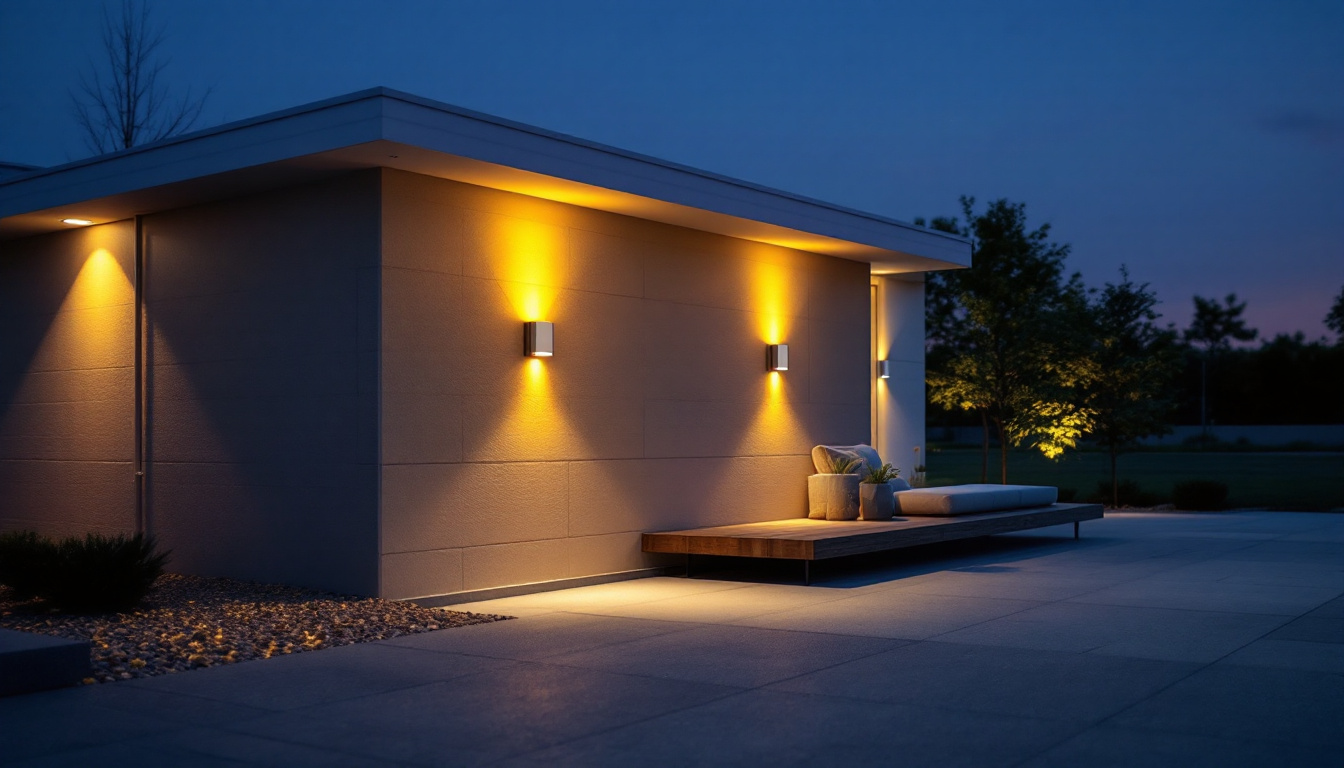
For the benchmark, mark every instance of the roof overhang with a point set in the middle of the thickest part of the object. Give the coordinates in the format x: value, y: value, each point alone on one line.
x: 385, y: 128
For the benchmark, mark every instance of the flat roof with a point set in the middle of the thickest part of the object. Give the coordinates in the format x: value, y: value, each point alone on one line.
x: 381, y: 127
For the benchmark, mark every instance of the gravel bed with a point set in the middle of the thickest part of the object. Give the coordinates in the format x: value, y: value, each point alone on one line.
x: 187, y: 622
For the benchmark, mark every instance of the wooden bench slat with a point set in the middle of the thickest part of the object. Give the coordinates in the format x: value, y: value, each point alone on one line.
x: 804, y: 539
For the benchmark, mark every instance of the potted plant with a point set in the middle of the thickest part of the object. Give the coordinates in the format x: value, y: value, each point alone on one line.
x: 877, y: 496
x: 834, y: 495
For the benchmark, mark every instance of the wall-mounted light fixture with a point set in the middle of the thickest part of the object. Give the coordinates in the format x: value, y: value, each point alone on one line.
x: 539, y: 339
x: 777, y: 357
x: 76, y: 222
x: 884, y: 369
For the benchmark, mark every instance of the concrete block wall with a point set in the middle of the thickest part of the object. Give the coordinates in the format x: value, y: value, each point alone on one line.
x: 655, y: 412
x: 261, y: 386
x: 66, y: 385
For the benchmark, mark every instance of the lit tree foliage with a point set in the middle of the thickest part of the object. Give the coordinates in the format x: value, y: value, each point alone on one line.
x: 1135, y: 362
x: 125, y: 103
x: 1004, y: 335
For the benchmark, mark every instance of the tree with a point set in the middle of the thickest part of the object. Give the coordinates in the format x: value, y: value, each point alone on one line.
x: 129, y: 104
x: 1135, y: 362
x: 1213, y: 328
x: 1003, y: 335
x: 1335, y: 319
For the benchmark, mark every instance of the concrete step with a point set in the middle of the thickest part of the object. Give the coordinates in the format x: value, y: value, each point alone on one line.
x: 32, y: 662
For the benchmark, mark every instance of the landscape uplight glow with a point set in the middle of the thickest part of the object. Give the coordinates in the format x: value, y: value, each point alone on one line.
x: 539, y: 339
x: 777, y: 357
x: 884, y: 369
x: 77, y: 222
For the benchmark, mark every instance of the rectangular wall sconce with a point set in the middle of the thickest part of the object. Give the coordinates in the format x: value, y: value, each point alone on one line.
x: 884, y: 369
x: 777, y: 357
x: 539, y: 339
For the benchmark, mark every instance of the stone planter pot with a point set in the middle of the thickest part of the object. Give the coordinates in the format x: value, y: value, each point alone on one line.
x: 833, y: 497
x: 877, y: 501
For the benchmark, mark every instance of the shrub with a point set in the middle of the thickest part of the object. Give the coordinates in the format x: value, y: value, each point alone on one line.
x: 1200, y: 495
x: 26, y: 561
x: 1067, y: 495
x: 93, y: 573
x: 840, y: 465
x: 1129, y: 493
x: 883, y: 474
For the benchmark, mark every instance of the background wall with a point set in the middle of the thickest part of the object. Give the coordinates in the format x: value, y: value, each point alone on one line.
x: 656, y: 411
x: 899, y: 400
x: 66, y: 386
x: 262, y: 319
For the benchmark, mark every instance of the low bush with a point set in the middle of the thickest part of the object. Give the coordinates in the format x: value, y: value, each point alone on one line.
x: 1129, y: 493
x: 92, y: 573
x: 1067, y: 495
x: 25, y: 562
x: 1199, y: 495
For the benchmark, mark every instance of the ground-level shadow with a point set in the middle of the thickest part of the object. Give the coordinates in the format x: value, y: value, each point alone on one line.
x: 988, y: 554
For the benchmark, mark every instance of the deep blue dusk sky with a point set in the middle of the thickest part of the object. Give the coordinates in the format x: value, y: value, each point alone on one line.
x: 1201, y: 143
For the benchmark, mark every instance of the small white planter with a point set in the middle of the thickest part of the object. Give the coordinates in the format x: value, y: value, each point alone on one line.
x: 833, y: 497
x: 877, y: 501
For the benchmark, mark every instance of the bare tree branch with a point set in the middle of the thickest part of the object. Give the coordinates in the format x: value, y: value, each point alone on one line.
x: 123, y: 102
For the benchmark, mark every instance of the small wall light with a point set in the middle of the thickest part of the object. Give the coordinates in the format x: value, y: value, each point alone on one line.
x: 77, y: 222
x: 884, y: 369
x: 539, y: 339
x: 777, y: 357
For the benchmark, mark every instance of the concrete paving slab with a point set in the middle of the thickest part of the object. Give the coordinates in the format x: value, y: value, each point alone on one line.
x: 1212, y: 596
x: 485, y: 717
x: 727, y: 655
x: 600, y: 595
x: 727, y: 605
x: 539, y: 637
x: 1237, y: 702
x: 1110, y: 747
x: 1007, y: 582
x: 768, y: 727
x: 203, y: 748
x: 1147, y: 633
x: 1312, y: 629
x: 895, y: 614
x: 1291, y: 654
x: 1041, y: 684
x: 42, y: 724
x: 316, y: 677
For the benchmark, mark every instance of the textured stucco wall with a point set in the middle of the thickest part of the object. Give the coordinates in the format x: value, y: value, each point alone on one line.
x: 66, y: 386
x: 899, y: 307
x: 262, y: 449
x: 656, y: 411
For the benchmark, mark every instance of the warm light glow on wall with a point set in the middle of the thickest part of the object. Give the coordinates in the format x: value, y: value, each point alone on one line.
x: 528, y: 258
x: 770, y: 299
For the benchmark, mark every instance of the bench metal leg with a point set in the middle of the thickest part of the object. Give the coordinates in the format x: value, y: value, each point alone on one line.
x: 1075, y: 529
x: 807, y: 573
x: 689, y: 560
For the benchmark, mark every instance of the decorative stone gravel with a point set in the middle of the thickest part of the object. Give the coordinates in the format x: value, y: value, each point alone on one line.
x: 187, y: 622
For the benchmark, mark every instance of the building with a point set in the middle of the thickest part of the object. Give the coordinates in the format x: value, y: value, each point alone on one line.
x: 292, y: 348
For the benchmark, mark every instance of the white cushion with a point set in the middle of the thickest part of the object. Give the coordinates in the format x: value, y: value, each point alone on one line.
x: 972, y: 499
x: 866, y: 454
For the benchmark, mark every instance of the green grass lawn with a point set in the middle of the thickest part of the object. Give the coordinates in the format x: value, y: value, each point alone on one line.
x: 1300, y: 481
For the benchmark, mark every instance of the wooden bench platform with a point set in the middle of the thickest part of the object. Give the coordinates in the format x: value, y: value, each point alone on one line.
x: 809, y: 540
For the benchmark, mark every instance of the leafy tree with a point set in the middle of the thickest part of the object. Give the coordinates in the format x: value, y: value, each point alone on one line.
x: 1003, y: 335
x: 1136, y: 362
x: 1213, y: 328
x: 1335, y: 319
x: 128, y: 104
